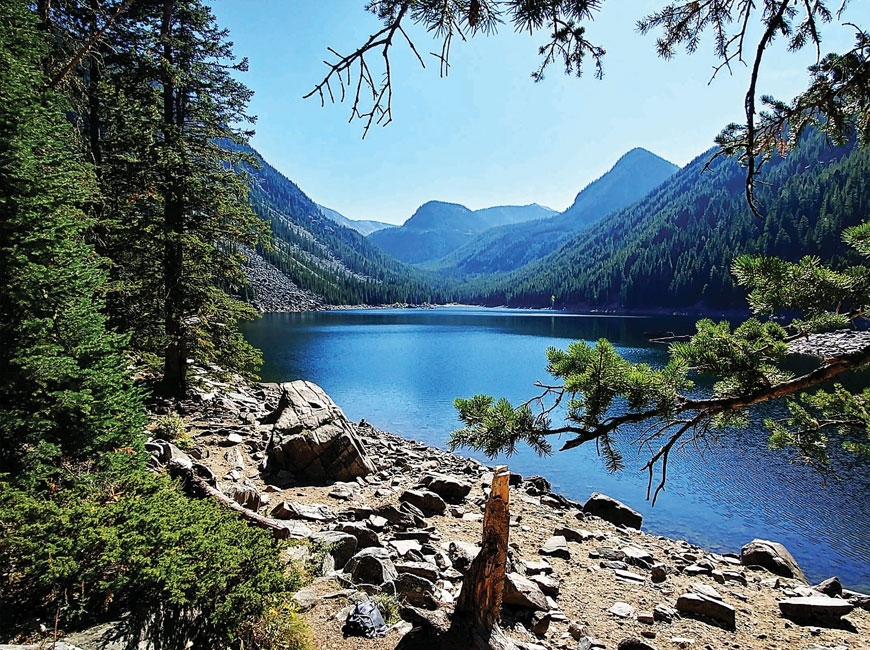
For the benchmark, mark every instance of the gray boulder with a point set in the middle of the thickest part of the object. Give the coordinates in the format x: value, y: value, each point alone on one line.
x: 712, y: 608
x: 365, y: 537
x: 772, y: 556
x: 338, y: 545
x: 246, y: 496
x: 428, y: 502
x: 519, y: 591
x: 372, y: 566
x: 448, y: 488
x: 609, y: 509
x: 818, y: 610
x: 312, y: 438
x: 417, y: 590
x: 293, y: 510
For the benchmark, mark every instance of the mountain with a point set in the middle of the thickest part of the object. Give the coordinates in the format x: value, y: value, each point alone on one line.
x: 326, y: 258
x: 674, y: 248
x: 362, y: 226
x: 507, y: 248
x: 437, y: 228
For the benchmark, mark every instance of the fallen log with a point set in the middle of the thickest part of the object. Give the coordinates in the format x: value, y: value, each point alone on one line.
x: 182, y: 468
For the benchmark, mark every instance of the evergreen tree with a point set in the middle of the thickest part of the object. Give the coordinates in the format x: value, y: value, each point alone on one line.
x: 160, y: 112
x: 65, y: 392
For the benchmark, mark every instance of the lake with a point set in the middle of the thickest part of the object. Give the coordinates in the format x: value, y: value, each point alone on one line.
x: 401, y: 369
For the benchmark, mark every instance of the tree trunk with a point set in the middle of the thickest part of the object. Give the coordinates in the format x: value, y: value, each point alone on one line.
x: 175, y: 358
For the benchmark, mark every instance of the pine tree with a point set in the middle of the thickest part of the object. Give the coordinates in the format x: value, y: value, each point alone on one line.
x: 65, y: 393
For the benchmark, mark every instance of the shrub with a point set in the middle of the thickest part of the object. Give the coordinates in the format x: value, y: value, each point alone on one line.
x: 180, y: 571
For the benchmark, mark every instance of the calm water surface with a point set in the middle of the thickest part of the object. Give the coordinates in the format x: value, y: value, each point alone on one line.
x: 401, y: 370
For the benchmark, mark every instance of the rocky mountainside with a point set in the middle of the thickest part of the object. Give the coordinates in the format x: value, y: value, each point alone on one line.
x: 385, y: 515
x: 510, y: 247
x: 362, y: 226
x: 325, y: 258
x: 437, y: 228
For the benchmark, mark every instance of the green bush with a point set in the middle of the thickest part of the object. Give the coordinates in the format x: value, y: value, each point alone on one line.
x: 178, y: 570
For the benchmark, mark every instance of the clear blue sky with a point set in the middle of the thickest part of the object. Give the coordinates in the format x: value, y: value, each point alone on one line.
x: 486, y: 134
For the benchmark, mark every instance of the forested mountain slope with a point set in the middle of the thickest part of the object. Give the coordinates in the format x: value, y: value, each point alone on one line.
x: 437, y: 228
x: 674, y: 248
x: 362, y: 226
x: 326, y: 258
x: 510, y: 247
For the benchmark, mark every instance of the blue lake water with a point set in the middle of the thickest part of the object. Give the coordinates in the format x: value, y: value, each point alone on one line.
x: 401, y: 370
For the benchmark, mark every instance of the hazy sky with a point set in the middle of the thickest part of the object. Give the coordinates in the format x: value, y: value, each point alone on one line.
x: 486, y: 134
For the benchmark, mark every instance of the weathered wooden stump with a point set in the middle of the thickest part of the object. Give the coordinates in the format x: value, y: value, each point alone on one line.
x: 474, y: 621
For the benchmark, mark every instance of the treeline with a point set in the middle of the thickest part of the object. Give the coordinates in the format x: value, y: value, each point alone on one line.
x: 121, y: 218
x: 322, y: 256
x: 674, y: 248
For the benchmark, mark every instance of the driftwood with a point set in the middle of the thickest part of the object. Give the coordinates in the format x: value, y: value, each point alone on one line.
x: 473, y: 623
x: 183, y: 469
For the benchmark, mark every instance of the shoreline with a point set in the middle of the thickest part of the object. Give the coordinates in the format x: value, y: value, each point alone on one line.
x: 588, y: 585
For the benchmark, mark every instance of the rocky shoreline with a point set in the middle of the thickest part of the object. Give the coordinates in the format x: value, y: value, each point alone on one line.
x: 402, y: 518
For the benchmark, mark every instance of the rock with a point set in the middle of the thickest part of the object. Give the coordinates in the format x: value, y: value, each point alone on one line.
x: 448, y: 488
x: 857, y: 599
x: 461, y: 554
x: 609, y: 509
x: 305, y: 599
x: 312, y: 437
x: 341, y: 491
x: 634, y: 644
x: 818, y: 610
x: 428, y: 502
x: 538, y: 566
x: 665, y: 613
x: 638, y: 557
x: 622, y: 610
x: 629, y: 577
x: 548, y: 584
x: 772, y: 556
x: 417, y: 590
x: 372, y: 566
x: 536, y: 485
x: 397, y: 517
x: 556, y: 546
x: 246, y: 496
x: 339, y: 546
x: 365, y: 537
x: 576, y: 631
x: 830, y: 587
x: 405, y: 546
x: 293, y: 510
x: 572, y: 534
x: 659, y: 573
x: 519, y: 591
x: 423, y: 569
x: 711, y: 608
x: 705, y: 590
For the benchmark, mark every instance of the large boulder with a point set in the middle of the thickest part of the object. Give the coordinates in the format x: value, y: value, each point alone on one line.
x: 313, y: 439
x: 772, y: 556
x: 609, y: 509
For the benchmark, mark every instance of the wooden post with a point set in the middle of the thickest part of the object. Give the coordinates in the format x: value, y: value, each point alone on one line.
x: 479, y: 603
